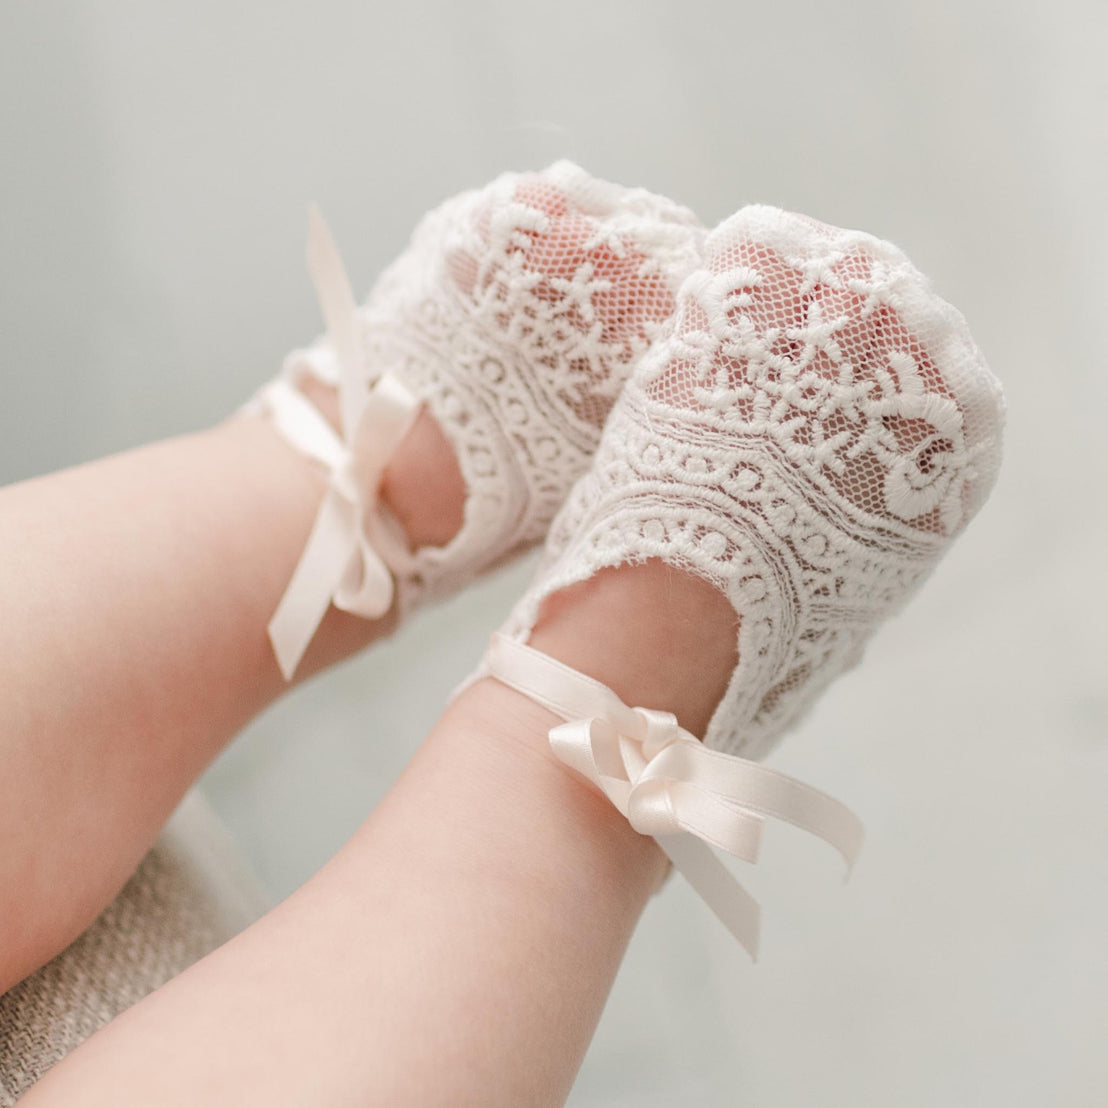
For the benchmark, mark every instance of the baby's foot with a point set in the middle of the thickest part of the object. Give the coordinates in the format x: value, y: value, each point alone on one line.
x: 512, y: 321
x: 806, y: 438
x: 514, y: 316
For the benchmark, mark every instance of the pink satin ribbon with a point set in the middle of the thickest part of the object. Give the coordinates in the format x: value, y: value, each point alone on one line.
x: 339, y: 564
x: 672, y: 787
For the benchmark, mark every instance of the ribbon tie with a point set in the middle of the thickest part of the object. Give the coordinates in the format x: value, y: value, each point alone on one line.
x: 339, y: 564
x: 672, y: 787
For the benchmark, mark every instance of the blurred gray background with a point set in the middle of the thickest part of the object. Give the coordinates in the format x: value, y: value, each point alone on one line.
x: 158, y: 160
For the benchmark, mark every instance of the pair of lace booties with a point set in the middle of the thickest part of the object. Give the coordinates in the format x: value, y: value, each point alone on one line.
x: 782, y: 408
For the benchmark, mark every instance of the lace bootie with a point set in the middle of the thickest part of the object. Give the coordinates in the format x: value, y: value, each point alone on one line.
x: 514, y: 317
x: 808, y: 435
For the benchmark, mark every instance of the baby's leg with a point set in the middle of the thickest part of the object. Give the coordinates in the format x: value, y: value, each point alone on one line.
x: 460, y: 948
x: 136, y: 592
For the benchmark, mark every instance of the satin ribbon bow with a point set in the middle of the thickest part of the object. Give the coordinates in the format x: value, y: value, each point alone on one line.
x: 672, y: 787
x: 339, y: 564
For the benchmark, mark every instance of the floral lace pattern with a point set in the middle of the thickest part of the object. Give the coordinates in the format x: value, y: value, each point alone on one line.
x: 808, y: 434
x: 516, y: 315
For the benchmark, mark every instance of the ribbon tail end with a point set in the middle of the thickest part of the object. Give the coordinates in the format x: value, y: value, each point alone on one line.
x: 850, y: 855
x: 309, y: 593
x: 736, y: 909
x: 287, y: 649
x: 318, y: 232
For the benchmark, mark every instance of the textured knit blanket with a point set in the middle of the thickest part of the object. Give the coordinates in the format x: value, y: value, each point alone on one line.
x: 190, y: 894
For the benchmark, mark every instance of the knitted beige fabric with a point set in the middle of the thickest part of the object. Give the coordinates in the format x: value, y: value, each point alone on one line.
x: 188, y: 896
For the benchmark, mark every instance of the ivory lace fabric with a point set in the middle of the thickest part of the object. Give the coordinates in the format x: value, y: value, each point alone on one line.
x: 808, y: 434
x: 516, y: 315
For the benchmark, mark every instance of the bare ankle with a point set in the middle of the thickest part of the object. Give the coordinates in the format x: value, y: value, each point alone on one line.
x: 657, y: 636
x: 423, y: 485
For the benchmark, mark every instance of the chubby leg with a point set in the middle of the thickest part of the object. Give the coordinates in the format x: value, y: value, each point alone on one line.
x: 139, y: 588
x: 459, y: 949
x: 136, y: 592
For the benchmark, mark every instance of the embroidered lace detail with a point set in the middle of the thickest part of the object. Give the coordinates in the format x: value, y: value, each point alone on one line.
x: 516, y: 314
x: 809, y: 433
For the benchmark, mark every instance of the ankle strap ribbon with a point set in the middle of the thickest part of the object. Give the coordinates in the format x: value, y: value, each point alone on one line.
x: 339, y: 564
x: 672, y: 787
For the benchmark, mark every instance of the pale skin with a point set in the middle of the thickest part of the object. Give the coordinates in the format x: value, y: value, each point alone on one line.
x: 460, y: 947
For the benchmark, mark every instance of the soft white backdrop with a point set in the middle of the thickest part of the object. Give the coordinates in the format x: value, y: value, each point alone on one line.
x: 158, y: 160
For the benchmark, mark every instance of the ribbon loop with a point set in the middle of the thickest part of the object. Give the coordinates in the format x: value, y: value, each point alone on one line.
x: 669, y: 785
x: 340, y: 564
x: 651, y: 809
